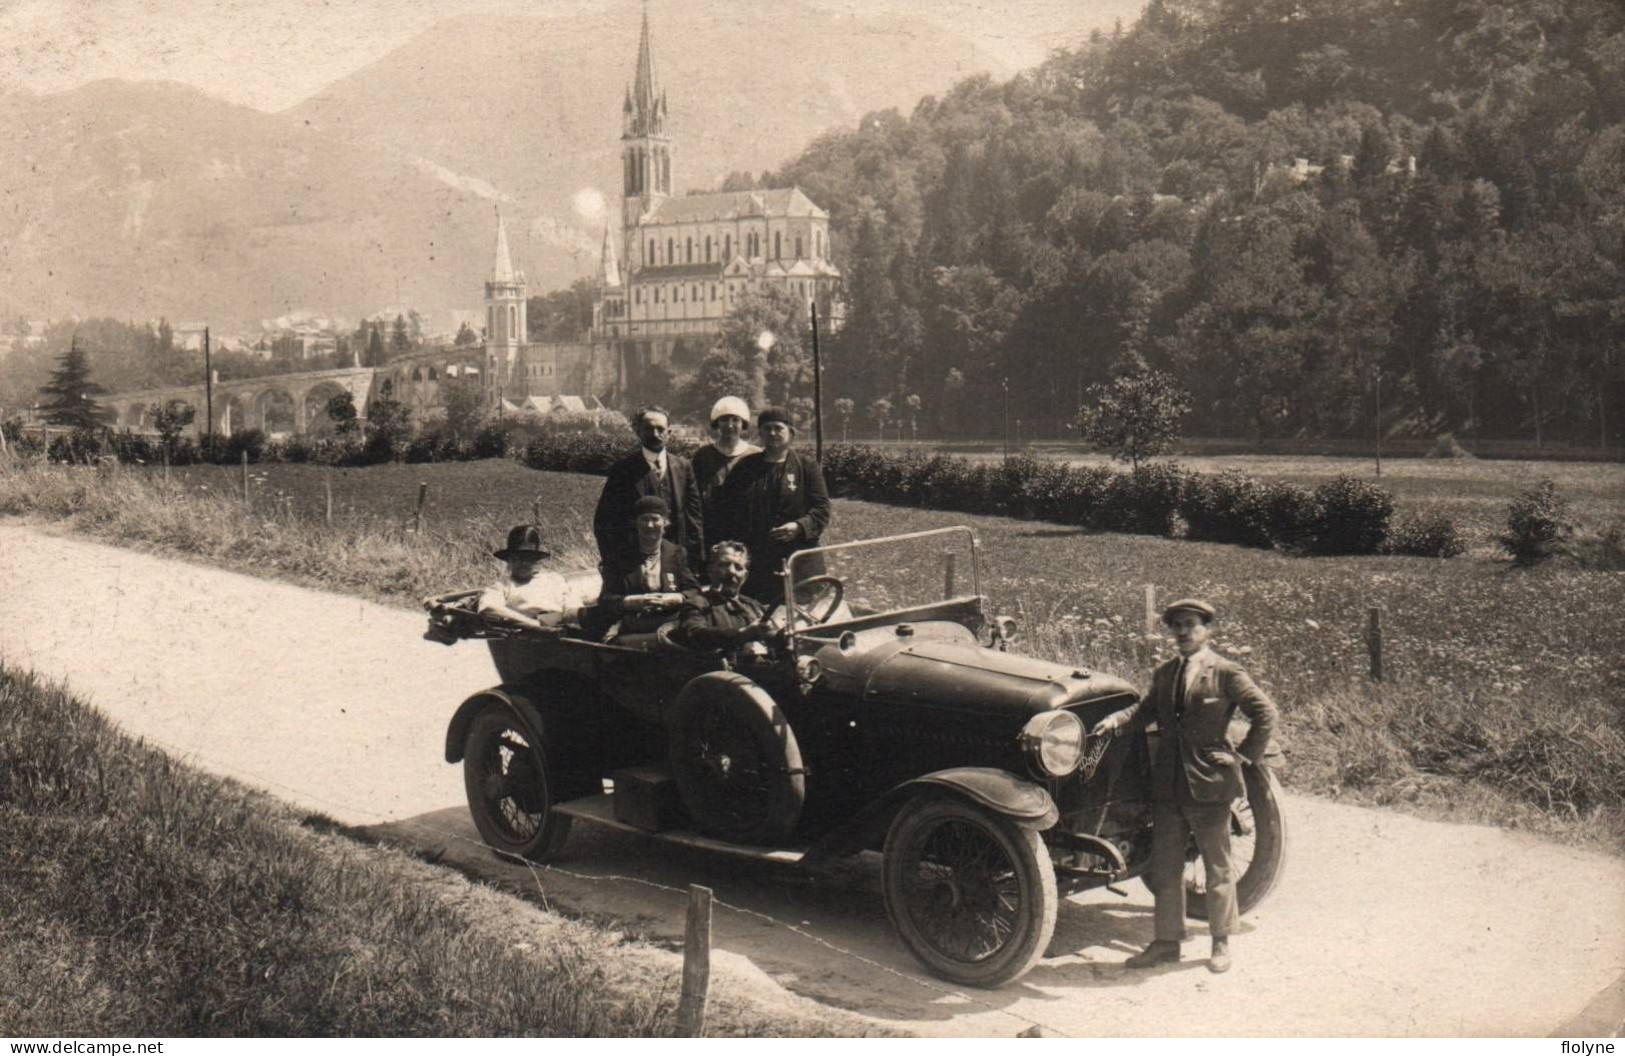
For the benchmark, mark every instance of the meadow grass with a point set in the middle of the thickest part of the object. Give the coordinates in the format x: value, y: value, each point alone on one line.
x: 142, y: 897
x: 1501, y: 701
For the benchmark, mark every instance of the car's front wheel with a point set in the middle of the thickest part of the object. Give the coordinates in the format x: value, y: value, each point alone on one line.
x: 971, y: 893
x: 511, y: 787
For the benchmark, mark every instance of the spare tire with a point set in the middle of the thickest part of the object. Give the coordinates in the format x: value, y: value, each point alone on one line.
x: 735, y: 760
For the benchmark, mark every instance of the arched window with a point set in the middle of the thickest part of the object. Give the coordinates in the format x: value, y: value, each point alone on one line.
x: 696, y: 293
x: 727, y: 247
x: 677, y: 294
x: 708, y: 249
x: 798, y: 247
x: 671, y: 251
x: 778, y: 246
x: 491, y: 321
x: 713, y: 291
x: 637, y: 296
x: 688, y: 251
x: 650, y: 260
x: 513, y: 322
x: 818, y: 245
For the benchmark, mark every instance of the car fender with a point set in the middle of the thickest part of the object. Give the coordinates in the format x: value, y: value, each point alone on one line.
x: 1024, y: 802
x: 522, y: 706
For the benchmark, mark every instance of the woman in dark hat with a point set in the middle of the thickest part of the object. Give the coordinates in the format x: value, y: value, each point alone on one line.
x: 529, y: 595
x: 776, y: 503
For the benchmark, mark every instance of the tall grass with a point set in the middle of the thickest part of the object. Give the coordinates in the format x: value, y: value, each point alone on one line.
x: 141, y: 898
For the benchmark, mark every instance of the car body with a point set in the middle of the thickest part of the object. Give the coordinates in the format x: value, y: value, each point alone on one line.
x: 906, y: 727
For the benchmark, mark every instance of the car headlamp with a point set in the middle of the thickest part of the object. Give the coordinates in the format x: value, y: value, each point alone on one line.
x: 1054, y: 742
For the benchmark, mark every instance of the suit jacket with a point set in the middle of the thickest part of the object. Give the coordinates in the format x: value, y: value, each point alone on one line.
x: 630, y: 480
x: 752, y: 502
x: 623, y: 575
x: 1215, y: 688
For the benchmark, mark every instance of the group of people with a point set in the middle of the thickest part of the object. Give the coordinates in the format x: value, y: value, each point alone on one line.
x: 733, y: 514
x: 749, y: 508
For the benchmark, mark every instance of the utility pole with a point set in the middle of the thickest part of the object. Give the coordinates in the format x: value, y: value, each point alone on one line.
x: 1378, y: 373
x: 1006, y: 386
x: 818, y: 391
x: 208, y: 395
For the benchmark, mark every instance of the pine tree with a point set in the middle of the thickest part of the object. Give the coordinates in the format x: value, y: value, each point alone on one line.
x: 71, y: 394
x: 375, y: 356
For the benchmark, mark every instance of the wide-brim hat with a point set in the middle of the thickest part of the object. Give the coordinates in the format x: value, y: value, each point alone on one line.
x: 524, y: 540
x: 1196, y: 605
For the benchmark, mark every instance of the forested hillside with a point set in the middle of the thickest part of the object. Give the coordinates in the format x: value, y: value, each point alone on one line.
x: 1141, y: 196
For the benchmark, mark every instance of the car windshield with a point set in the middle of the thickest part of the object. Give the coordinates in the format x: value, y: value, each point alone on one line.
x: 897, y: 572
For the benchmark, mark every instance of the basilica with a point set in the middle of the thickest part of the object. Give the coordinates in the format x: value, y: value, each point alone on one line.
x: 667, y: 279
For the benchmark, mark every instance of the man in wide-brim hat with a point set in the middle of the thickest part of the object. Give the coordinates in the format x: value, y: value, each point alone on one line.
x: 528, y: 595
x: 1195, y: 776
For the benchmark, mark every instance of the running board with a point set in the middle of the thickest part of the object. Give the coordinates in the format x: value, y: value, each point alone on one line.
x: 600, y: 810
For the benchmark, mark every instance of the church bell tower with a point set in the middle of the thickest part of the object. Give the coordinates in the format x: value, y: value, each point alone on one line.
x: 645, y: 147
x: 504, y: 316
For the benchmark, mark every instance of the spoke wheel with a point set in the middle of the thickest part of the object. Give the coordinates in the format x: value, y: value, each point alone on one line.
x: 971, y: 893
x: 735, y: 760
x: 510, y: 789
x: 1257, y: 846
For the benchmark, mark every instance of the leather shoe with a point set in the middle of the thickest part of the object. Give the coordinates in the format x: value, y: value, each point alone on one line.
x: 1159, y: 952
x: 1219, y: 962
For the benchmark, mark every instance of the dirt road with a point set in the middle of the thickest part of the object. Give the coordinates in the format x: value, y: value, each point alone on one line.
x: 1385, y: 924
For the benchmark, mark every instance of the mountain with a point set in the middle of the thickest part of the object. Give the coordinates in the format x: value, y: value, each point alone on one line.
x: 144, y: 199
x: 141, y: 199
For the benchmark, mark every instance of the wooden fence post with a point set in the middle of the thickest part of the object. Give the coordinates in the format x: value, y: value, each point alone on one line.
x: 417, y: 516
x: 1150, y: 610
x: 949, y: 561
x: 245, y: 476
x: 696, y: 964
x: 536, y: 511
x: 327, y: 488
x: 1373, y: 641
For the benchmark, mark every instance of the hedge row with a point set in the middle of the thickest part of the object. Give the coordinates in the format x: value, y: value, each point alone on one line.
x: 1345, y: 515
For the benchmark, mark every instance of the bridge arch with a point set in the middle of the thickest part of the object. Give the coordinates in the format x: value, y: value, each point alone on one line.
x: 315, y: 406
x: 276, y: 412
x: 231, y: 415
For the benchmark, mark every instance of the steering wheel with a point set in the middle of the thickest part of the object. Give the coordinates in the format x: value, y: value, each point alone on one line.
x: 829, y: 588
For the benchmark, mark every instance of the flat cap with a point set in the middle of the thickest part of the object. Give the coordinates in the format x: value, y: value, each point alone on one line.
x: 1196, y: 605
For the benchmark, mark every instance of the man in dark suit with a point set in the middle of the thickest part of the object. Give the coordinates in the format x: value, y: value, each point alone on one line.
x: 719, y: 617
x: 643, y: 583
x: 775, y: 503
x: 650, y: 470
x: 1195, y: 776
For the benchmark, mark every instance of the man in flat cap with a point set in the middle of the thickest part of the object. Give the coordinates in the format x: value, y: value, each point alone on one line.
x: 775, y: 503
x: 650, y: 470
x: 1195, y: 776
x: 730, y: 417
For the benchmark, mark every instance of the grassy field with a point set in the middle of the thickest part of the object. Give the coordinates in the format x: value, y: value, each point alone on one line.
x: 1502, y: 700
x: 144, y: 898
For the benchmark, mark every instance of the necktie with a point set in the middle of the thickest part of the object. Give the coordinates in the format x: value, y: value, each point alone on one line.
x: 1179, y: 690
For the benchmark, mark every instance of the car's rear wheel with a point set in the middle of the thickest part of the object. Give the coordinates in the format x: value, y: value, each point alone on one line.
x: 511, y: 786
x: 971, y: 893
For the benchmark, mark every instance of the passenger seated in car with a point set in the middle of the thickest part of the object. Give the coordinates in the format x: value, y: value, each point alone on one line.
x: 643, y: 585
x: 719, y: 616
x: 528, y: 596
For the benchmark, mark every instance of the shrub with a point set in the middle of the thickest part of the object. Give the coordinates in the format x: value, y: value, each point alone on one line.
x: 1537, y: 521
x: 1228, y: 507
x: 490, y: 442
x: 1426, y: 535
x: 230, y: 449
x: 1352, y: 517
x: 1148, y: 498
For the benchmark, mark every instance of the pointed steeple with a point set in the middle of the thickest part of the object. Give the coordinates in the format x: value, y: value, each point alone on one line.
x: 502, y: 267
x: 609, y: 267
x: 647, y: 99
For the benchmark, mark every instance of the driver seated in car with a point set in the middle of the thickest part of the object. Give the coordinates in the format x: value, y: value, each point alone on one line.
x: 719, y: 617
x: 643, y: 584
x: 528, y: 595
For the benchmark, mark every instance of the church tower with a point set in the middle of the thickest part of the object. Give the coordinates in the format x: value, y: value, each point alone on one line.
x: 645, y: 147
x: 504, y: 314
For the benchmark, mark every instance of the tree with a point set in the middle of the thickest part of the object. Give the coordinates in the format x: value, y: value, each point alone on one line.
x: 341, y: 409
x: 913, y: 405
x: 770, y: 317
x: 844, y: 407
x: 466, y: 336
x: 1136, y: 416
x: 465, y: 406
x: 171, y: 419
x: 375, y: 356
x: 400, y: 339
x: 71, y: 395
x: 880, y: 411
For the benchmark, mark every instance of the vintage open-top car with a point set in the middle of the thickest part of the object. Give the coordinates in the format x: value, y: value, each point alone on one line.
x: 885, y: 712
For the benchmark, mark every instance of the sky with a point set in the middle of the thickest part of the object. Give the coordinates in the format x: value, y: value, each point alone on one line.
x: 271, y: 54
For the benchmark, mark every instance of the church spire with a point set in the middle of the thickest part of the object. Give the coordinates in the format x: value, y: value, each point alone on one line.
x: 648, y: 102
x: 502, y: 266
x: 609, y: 267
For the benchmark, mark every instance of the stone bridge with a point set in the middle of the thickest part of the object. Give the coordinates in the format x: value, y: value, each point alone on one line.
x: 282, y: 403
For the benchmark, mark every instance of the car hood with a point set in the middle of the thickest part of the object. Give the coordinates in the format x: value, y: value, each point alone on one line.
x: 960, y: 674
